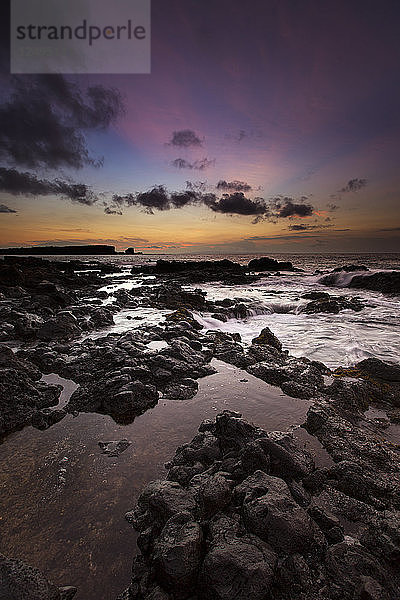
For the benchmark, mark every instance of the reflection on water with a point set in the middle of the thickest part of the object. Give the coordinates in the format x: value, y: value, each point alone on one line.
x: 62, y: 502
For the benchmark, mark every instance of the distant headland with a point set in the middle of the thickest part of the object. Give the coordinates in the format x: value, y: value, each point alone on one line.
x: 98, y: 250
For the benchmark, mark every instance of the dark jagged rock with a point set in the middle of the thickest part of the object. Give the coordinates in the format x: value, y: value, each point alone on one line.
x: 63, y: 326
x: 378, y: 369
x: 45, y: 418
x: 269, y: 264
x: 267, y: 338
x: 332, y: 304
x: 41, y: 298
x: 175, y: 266
x: 120, y: 396
x: 234, y: 519
x: 367, y: 469
x: 114, y: 448
x: 226, y: 271
x: 118, y: 374
x: 350, y: 268
x: 387, y: 283
x: 172, y: 295
x: 183, y: 315
x: 19, y: 581
x: 316, y: 296
x: 21, y: 392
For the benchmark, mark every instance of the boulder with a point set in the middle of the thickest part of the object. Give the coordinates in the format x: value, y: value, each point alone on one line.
x: 267, y: 338
x: 269, y: 264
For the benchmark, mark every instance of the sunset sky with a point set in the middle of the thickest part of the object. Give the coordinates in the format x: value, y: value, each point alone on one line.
x: 264, y: 126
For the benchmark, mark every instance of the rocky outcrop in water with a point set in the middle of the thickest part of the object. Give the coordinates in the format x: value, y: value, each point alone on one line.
x: 226, y: 271
x: 246, y: 514
x: 269, y: 264
x: 322, y: 302
x: 22, y: 395
x: 350, y: 268
x: 35, y: 293
x: 386, y: 282
x: 121, y: 376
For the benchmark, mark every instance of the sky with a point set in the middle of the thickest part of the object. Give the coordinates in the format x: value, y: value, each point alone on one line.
x: 264, y: 126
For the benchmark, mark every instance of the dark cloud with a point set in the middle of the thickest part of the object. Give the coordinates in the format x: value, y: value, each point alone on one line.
x: 44, y: 120
x: 282, y: 208
x: 354, y: 185
x: 237, y: 204
x: 302, y: 227
x: 197, y: 165
x: 181, y: 199
x: 185, y: 138
x: 159, y: 199
x: 17, y: 183
x: 6, y: 209
x: 112, y: 211
x: 233, y: 186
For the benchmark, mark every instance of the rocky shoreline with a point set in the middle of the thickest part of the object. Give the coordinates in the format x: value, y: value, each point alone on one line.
x: 246, y: 514
x: 241, y: 513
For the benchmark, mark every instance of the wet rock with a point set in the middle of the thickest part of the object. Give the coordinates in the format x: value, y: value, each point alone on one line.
x: 328, y: 523
x: 240, y: 524
x: 350, y: 268
x: 237, y: 567
x: 184, y: 390
x: 297, y: 390
x: 45, y: 418
x: 316, y: 296
x: 114, y: 448
x: 8, y: 359
x: 135, y: 400
x: 21, y: 395
x: 19, y: 581
x: 63, y: 326
x: 270, y: 512
x: 160, y: 501
x: 269, y: 264
x: 182, y: 315
x: 267, y: 338
x: 225, y: 271
x: 172, y: 295
x: 27, y: 325
x: 385, y: 282
x: 355, y: 564
x: 212, y: 492
x: 332, y: 304
x: 177, y: 555
x: 379, y: 369
x: 101, y: 317
x: 275, y: 375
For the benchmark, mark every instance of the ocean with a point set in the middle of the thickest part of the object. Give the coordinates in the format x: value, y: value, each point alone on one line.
x: 335, y: 339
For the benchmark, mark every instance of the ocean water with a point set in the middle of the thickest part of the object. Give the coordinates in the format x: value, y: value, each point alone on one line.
x: 309, y: 262
x: 276, y: 302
